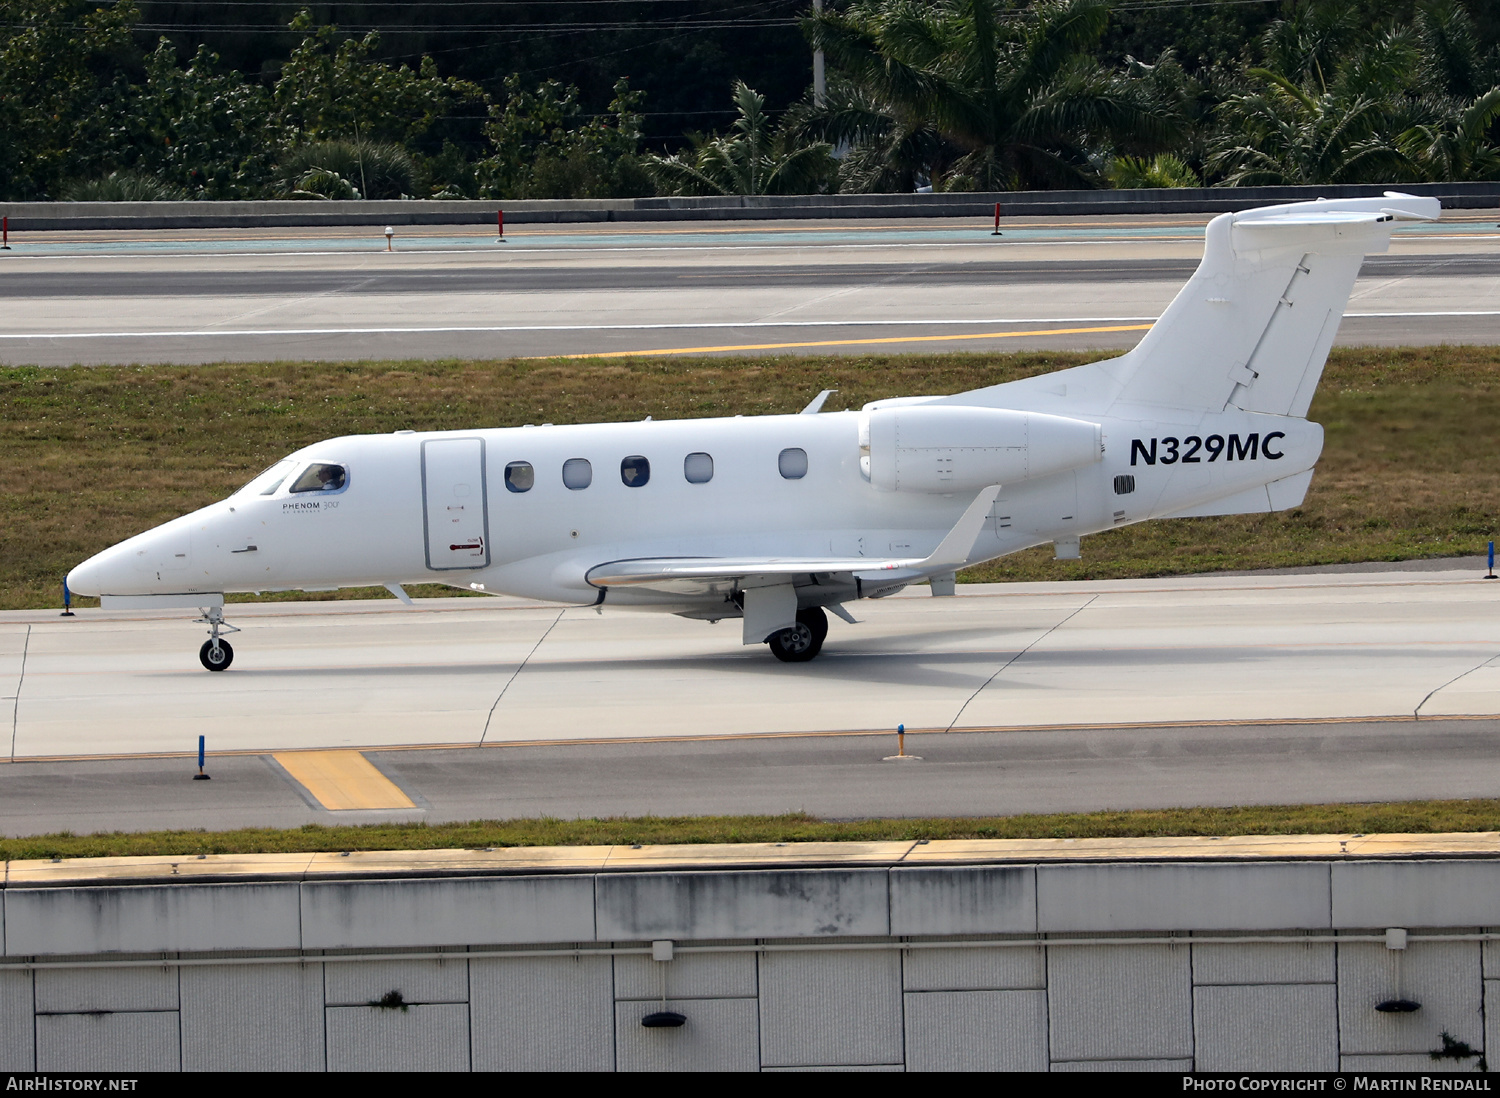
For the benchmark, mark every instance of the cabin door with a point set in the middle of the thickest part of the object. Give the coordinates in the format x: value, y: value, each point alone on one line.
x: 455, y: 512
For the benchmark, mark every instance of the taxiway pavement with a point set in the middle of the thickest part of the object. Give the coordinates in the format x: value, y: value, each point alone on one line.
x: 1020, y: 697
x: 717, y: 288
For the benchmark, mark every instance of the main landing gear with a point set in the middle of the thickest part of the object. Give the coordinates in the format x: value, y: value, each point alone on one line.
x: 216, y: 653
x: 802, y: 641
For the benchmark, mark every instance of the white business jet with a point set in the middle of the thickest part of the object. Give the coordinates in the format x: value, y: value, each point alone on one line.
x: 777, y: 519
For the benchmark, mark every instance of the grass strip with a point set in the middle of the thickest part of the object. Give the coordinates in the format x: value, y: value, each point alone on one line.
x: 90, y: 456
x: 1411, y: 817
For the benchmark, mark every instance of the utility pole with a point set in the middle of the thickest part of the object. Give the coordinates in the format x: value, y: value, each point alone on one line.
x: 820, y: 80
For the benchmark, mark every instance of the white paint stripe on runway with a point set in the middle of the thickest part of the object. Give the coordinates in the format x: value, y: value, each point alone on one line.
x: 497, y: 329
x: 583, y: 327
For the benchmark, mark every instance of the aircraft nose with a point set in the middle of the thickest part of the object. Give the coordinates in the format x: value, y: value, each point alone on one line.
x: 85, y: 578
x: 102, y: 573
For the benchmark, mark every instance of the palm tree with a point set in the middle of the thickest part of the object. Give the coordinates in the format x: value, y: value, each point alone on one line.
x: 1455, y: 144
x: 754, y: 158
x: 1288, y: 136
x: 977, y: 98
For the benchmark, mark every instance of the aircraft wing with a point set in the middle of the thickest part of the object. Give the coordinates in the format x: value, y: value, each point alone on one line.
x: 723, y: 575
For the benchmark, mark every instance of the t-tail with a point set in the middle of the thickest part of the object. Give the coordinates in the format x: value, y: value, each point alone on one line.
x: 1238, y: 353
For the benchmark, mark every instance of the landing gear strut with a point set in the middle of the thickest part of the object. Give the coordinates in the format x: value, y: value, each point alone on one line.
x: 802, y: 641
x: 216, y: 653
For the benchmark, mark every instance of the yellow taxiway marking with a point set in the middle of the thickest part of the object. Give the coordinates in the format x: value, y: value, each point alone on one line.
x: 854, y: 342
x: 343, y: 780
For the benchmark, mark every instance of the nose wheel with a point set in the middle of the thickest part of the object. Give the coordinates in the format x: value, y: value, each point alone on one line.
x: 802, y: 641
x: 216, y: 653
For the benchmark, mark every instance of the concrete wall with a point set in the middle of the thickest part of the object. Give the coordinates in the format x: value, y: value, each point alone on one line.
x: 36, y: 216
x: 1177, y: 964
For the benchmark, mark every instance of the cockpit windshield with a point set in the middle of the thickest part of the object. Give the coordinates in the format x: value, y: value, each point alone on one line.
x: 267, y: 482
x: 321, y: 477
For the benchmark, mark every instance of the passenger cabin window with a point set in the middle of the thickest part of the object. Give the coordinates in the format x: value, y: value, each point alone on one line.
x: 519, y: 476
x: 320, y: 477
x: 792, y: 463
x: 578, y: 474
x: 698, y: 468
x: 635, y: 471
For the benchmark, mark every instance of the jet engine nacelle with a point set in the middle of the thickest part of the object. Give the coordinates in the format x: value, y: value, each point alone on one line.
x: 922, y: 448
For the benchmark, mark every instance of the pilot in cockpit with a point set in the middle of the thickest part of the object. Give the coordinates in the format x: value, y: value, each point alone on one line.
x: 330, y: 478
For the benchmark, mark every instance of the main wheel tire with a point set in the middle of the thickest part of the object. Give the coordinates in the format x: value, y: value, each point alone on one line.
x: 816, y: 620
x: 216, y: 658
x: 795, y: 645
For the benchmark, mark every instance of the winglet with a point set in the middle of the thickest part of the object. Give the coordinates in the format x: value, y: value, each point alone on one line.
x: 816, y: 404
x: 954, y: 549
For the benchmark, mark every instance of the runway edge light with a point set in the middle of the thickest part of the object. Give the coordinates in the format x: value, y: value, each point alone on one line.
x: 901, y: 755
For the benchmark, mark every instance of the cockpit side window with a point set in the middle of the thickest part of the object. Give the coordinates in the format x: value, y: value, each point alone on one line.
x: 321, y: 477
x: 266, y: 483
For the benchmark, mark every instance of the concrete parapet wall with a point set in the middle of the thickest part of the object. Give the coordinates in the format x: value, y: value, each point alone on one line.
x: 39, y: 216
x: 1219, y: 955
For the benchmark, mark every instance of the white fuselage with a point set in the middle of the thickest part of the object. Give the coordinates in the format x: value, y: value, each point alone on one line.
x: 409, y: 513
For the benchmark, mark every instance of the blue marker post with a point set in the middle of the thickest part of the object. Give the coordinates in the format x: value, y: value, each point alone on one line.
x: 901, y: 755
x: 200, y: 776
x: 1492, y: 562
x: 67, y: 602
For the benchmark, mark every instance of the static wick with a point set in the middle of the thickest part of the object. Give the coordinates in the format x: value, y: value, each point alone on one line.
x: 901, y: 755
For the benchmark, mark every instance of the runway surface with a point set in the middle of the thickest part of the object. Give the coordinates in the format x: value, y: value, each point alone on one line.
x: 1020, y: 697
x: 716, y: 288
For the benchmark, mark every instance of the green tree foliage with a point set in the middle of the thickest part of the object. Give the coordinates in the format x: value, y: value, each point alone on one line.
x: 200, y: 128
x: 546, y: 147
x: 1342, y: 100
x: 755, y: 157
x: 331, y: 89
x: 979, y: 97
x: 961, y: 94
x: 348, y: 170
x: 1161, y: 170
x: 1286, y: 136
x: 122, y: 187
x: 57, y: 58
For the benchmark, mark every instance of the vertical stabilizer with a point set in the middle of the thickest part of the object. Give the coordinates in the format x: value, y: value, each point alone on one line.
x: 1250, y: 330
x: 1253, y: 326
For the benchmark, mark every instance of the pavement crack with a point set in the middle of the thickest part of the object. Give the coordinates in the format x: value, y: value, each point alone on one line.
x: 1391, y: 283
x: 844, y: 292
x: 1417, y: 712
x: 15, y: 705
x: 349, y: 288
x: 983, y: 686
x: 516, y: 673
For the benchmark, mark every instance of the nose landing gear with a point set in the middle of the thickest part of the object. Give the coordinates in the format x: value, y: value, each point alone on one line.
x: 216, y: 653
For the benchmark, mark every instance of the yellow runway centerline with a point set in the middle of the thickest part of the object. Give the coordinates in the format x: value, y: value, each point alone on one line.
x: 854, y: 342
x: 343, y: 780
